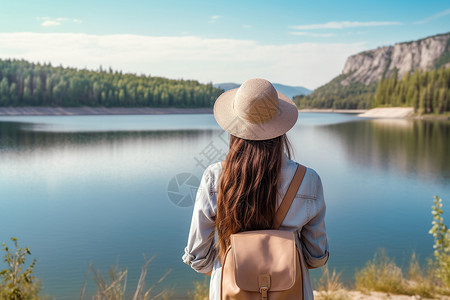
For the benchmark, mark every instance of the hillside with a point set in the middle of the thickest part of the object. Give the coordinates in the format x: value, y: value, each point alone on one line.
x: 27, y: 84
x: 423, y: 55
x: 356, y: 86
x: 290, y: 91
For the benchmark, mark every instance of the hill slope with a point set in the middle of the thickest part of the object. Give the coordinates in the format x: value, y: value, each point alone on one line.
x: 357, y: 84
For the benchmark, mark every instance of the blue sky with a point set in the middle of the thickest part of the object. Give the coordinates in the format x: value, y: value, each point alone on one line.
x: 292, y: 42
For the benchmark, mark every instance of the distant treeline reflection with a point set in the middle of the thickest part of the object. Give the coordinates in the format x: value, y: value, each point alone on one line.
x: 409, y: 146
x: 14, y: 138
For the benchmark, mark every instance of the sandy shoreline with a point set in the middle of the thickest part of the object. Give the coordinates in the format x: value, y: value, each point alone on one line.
x: 389, y: 112
x: 357, y: 295
x: 382, y: 113
x: 329, y: 110
x: 85, y: 110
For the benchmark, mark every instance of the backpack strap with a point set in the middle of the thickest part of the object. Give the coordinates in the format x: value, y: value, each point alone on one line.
x: 289, y: 196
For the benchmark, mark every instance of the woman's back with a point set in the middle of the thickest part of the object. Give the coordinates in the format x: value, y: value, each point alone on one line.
x: 305, y: 217
x: 243, y: 192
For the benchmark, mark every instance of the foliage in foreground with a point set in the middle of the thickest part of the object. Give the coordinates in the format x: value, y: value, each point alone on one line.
x: 330, y: 286
x: 17, y: 280
x: 441, y: 235
x: 201, y: 290
x: 382, y: 274
x: 115, y: 288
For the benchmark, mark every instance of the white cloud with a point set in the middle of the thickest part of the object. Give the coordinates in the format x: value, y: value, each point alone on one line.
x: 213, y: 19
x: 302, y: 33
x: 344, y: 24
x: 434, y: 17
x: 49, y: 23
x: 189, y: 57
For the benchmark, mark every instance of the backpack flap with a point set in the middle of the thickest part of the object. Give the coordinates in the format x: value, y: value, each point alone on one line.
x: 264, y: 257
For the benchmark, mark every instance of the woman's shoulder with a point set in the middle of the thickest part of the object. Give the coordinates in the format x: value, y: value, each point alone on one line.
x: 311, y: 183
x: 211, y: 175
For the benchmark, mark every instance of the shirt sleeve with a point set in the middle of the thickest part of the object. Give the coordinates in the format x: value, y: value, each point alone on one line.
x: 314, y: 236
x: 200, y: 251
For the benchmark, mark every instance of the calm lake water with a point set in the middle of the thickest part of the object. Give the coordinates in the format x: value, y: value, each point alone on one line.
x: 104, y: 189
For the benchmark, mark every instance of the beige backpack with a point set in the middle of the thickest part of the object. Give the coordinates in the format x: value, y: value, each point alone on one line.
x: 265, y: 264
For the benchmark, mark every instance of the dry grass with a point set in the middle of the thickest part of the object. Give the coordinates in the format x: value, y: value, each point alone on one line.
x: 115, y: 286
x: 330, y: 286
x: 201, y: 290
x: 383, y: 275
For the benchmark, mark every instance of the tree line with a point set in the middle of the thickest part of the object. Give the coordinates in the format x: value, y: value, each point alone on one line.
x: 334, y: 95
x: 426, y: 91
x: 24, y: 83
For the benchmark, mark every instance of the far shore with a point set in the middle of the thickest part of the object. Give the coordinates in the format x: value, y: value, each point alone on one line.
x: 86, y: 110
x: 383, y: 112
x: 330, y: 110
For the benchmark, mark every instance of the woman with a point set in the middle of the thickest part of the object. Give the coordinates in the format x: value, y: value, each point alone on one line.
x: 243, y: 192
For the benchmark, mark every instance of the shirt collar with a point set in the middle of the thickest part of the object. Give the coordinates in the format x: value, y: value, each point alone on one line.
x: 284, y: 160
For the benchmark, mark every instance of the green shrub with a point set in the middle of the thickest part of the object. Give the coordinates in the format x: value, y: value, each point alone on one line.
x: 17, y: 280
x: 441, y: 235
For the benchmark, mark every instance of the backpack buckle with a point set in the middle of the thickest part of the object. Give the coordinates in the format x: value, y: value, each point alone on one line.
x: 263, y: 290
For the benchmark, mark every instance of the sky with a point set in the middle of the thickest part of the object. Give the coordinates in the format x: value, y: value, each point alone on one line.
x: 299, y: 43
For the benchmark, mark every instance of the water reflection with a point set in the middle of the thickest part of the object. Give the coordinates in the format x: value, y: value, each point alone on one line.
x: 412, y: 147
x: 97, y: 196
x: 77, y: 193
x: 13, y: 137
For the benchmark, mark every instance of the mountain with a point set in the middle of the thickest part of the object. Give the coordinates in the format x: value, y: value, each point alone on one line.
x: 425, y: 54
x: 289, y: 91
x: 226, y: 86
x: 355, y: 87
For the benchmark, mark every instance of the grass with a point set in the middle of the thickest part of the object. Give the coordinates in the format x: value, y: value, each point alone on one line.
x: 330, y: 286
x: 115, y: 287
x: 380, y: 274
x: 201, y: 290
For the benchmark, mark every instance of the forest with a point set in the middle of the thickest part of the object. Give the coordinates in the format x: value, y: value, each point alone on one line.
x: 32, y: 84
x: 356, y: 95
x: 426, y: 91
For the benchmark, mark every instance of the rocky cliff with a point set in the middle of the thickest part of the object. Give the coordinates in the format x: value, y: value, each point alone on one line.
x: 425, y: 54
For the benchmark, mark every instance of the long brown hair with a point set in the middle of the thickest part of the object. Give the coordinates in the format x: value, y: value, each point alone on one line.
x: 248, y: 185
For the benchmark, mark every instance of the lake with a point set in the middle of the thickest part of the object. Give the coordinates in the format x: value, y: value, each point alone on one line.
x: 107, y: 189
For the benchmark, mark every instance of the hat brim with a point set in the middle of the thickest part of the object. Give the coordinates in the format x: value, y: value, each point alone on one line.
x: 280, y: 123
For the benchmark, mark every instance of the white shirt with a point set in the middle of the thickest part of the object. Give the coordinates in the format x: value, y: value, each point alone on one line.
x: 305, y: 216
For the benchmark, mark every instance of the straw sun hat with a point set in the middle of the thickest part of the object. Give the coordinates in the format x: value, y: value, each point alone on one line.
x: 255, y: 111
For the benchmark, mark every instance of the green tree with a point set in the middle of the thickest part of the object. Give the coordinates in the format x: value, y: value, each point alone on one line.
x: 4, y: 91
